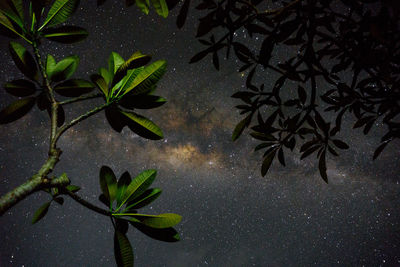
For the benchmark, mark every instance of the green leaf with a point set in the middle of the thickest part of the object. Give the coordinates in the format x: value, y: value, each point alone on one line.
x: 59, y: 12
x: 143, y: 200
x: 135, y: 61
x: 64, y: 68
x: 10, y: 28
x: 143, y: 5
x: 20, y: 87
x: 40, y: 212
x: 73, y: 188
x: 147, y: 78
x: 122, y: 250
x: 165, y: 234
x: 160, y: 221
x: 65, y: 34
x: 16, y: 110
x: 126, y: 81
x: 267, y: 162
x: 240, y: 127
x: 100, y: 82
x: 138, y: 185
x: 50, y: 65
x: 13, y: 9
x: 143, y: 126
x: 106, y: 75
x: 142, y: 101
x: 74, y: 87
x: 122, y: 185
x: 108, y: 183
x: 114, y: 62
x: 24, y: 60
x: 161, y: 7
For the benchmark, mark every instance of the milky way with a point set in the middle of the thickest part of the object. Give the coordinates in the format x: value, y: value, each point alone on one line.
x: 231, y: 215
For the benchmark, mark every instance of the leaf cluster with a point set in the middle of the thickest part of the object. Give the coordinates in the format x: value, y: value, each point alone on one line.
x: 329, y: 40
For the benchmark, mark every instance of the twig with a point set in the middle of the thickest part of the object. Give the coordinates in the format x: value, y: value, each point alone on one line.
x: 80, y: 98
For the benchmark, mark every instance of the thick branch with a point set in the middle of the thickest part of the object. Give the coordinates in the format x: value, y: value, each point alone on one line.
x: 35, y: 183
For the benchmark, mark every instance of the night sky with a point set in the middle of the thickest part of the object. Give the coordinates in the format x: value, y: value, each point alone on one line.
x: 231, y: 215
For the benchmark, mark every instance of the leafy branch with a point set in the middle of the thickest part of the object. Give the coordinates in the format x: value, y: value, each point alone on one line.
x: 125, y: 86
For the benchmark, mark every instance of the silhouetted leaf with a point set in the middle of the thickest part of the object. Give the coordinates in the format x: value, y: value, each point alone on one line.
x: 16, y: 110
x: 340, y: 144
x: 20, y: 88
x: 240, y: 127
x: 180, y: 20
x: 267, y: 162
x: 242, y: 52
x: 302, y: 94
x: 379, y: 150
x: 206, y: 24
x: 322, y: 166
x: 309, y: 151
x: 216, y: 60
x: 267, y: 47
x: 281, y: 157
x: 199, y: 56
x: 40, y: 212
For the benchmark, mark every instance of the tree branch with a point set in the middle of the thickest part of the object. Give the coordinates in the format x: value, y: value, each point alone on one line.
x: 35, y: 183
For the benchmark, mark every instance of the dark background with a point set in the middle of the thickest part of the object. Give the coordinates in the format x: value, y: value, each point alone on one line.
x: 231, y: 215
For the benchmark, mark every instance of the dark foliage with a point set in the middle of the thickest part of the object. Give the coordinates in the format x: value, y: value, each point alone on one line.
x: 324, y: 42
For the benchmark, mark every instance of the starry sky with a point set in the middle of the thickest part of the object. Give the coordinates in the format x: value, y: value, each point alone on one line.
x: 231, y: 215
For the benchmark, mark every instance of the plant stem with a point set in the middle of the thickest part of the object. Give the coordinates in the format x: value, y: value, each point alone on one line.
x: 87, y: 204
x: 49, y: 90
x: 79, y: 119
x: 79, y: 98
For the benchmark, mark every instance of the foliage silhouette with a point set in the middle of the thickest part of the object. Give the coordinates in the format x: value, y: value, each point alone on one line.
x: 125, y: 86
x: 323, y: 43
